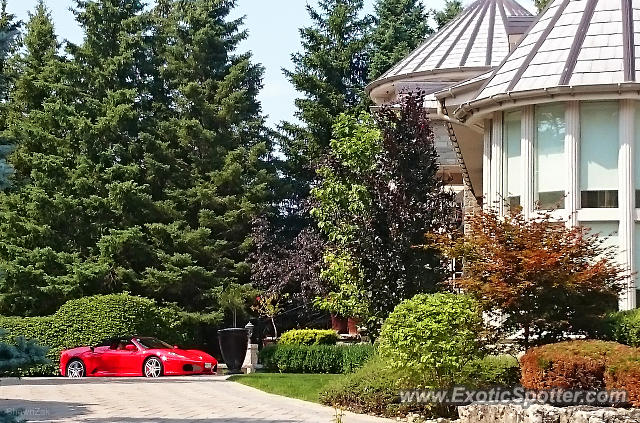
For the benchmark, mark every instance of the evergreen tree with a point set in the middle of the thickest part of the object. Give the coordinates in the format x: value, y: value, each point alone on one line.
x: 331, y: 73
x: 144, y: 164
x: 400, y: 25
x: 36, y: 226
x: 220, y: 150
x: 9, y: 32
x: 452, y: 8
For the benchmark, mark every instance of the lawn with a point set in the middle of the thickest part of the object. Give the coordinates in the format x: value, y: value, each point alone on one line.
x: 302, y: 386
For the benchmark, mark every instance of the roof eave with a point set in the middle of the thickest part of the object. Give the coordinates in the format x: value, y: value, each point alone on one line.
x: 503, y: 100
x: 404, y: 76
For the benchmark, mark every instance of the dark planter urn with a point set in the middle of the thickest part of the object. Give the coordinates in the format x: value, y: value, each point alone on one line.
x: 233, y: 345
x: 339, y: 323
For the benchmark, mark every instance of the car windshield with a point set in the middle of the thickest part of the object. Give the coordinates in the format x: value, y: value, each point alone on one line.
x: 153, y: 343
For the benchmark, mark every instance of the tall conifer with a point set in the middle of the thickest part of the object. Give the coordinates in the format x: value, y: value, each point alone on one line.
x: 400, y: 25
x: 142, y: 166
x: 331, y: 73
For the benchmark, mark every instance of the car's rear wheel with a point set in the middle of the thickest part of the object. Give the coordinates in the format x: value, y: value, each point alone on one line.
x: 152, y: 367
x: 76, y: 369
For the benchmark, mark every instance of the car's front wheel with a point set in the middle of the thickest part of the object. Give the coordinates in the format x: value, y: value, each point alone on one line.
x: 75, y: 369
x: 152, y: 367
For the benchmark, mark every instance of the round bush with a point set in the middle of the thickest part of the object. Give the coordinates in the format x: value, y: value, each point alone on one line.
x: 309, y: 337
x: 432, y: 335
x: 569, y: 365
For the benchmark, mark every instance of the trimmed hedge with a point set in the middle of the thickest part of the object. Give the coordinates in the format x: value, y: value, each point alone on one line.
x: 89, y: 320
x: 623, y: 373
x: 570, y: 365
x: 309, y: 337
x: 315, y: 358
x: 624, y: 327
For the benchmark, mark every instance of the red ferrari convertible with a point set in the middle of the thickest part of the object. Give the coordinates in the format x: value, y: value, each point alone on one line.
x: 134, y: 356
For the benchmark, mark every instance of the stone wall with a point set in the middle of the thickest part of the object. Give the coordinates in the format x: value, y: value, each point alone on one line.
x: 511, y: 413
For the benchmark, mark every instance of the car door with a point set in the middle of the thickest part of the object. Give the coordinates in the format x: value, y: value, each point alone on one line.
x: 95, y: 359
x: 130, y: 359
x: 109, y: 359
x: 119, y: 360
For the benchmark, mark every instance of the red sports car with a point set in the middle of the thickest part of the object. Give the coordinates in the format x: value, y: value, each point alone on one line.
x: 134, y: 356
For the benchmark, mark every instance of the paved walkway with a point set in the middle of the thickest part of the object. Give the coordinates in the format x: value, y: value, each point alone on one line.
x: 175, y: 399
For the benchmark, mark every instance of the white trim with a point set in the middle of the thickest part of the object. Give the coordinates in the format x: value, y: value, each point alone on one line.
x: 486, y: 166
x: 572, y: 155
x: 527, y: 150
x: 604, y: 215
x: 497, y: 161
x: 626, y: 200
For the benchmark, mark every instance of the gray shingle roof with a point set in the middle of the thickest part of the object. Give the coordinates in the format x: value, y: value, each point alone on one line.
x: 478, y: 37
x: 574, y: 43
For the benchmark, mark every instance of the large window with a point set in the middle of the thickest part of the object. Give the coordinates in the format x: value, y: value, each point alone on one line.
x: 550, y: 161
x: 608, y: 232
x: 599, y: 145
x: 512, y: 158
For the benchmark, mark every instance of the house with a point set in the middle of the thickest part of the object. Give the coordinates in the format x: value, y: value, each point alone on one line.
x: 541, y: 113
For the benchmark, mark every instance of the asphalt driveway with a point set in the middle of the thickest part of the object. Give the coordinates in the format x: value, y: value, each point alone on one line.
x: 140, y: 400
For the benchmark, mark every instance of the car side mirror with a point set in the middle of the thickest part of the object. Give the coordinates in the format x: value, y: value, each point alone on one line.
x: 130, y: 347
x: 175, y: 347
x: 92, y: 348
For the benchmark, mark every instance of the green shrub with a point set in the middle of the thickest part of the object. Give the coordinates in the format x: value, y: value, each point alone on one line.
x: 491, y: 370
x: 314, y: 358
x: 266, y: 356
x: 354, y: 357
x: 309, y: 337
x: 624, y: 327
x: 324, y: 359
x: 373, y: 389
x: 89, y: 320
x: 433, y: 336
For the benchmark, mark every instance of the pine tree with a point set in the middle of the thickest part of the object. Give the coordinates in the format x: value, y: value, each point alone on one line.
x: 400, y: 25
x: 9, y: 32
x: 35, y: 254
x: 452, y: 8
x: 144, y: 168
x: 216, y: 133
x: 331, y: 73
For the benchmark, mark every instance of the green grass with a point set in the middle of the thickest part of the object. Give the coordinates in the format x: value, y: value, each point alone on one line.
x: 306, y: 387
